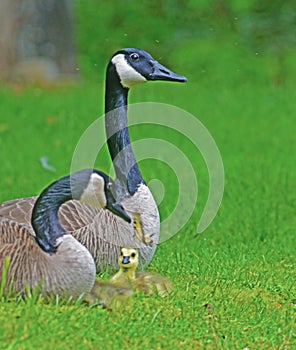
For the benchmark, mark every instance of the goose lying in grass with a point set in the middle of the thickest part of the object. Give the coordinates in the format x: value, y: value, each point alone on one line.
x: 44, y: 254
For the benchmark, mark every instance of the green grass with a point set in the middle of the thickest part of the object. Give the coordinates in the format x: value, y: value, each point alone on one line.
x: 243, y: 264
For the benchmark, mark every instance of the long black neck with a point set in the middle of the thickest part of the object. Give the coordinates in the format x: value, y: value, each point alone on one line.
x: 45, y: 220
x: 128, y: 176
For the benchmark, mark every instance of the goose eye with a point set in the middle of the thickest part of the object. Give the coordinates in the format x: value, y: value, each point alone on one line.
x: 133, y: 255
x: 134, y: 56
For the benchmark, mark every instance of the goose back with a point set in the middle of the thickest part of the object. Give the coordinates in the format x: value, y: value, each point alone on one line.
x: 69, y: 272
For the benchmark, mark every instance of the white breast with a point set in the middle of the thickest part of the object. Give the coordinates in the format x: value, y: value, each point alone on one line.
x: 143, y: 204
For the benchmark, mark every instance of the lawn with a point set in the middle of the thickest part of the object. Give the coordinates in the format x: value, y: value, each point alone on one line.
x: 234, y: 283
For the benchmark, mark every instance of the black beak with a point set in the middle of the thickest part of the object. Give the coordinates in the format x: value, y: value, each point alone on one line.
x: 118, y: 210
x: 160, y: 72
x: 125, y: 260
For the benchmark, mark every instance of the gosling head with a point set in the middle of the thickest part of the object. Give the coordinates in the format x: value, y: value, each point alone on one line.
x: 134, y: 66
x: 128, y: 259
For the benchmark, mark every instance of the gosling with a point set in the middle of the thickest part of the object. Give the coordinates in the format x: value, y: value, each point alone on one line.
x: 140, y: 281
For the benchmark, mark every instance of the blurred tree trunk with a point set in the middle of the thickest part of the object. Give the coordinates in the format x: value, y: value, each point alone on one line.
x: 36, y: 40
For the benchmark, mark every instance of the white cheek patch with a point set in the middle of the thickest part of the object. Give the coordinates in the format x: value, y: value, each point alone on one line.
x: 94, y: 193
x: 128, y: 75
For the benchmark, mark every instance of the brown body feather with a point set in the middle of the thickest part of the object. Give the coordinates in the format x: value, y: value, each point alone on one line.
x: 70, y: 272
x: 101, y: 232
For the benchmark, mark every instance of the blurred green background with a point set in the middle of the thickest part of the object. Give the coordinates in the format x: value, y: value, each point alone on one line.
x: 214, y: 39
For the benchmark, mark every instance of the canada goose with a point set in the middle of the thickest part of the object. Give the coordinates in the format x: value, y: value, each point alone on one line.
x: 100, y: 231
x: 127, y: 276
x: 45, y: 253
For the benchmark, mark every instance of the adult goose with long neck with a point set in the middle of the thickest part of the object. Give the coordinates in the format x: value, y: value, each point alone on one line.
x: 45, y: 253
x: 100, y: 231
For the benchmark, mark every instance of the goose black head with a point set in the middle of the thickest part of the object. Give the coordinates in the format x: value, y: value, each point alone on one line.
x: 134, y: 66
x: 93, y: 187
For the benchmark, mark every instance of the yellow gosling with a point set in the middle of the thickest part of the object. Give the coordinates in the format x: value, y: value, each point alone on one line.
x: 141, y: 281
